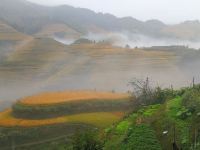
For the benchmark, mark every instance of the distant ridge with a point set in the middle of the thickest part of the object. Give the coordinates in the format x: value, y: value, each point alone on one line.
x: 30, y: 18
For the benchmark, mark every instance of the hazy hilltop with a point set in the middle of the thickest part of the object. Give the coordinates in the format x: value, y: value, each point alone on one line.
x: 31, y: 18
x: 188, y: 30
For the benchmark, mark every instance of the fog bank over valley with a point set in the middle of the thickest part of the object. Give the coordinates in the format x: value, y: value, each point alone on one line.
x: 139, y: 40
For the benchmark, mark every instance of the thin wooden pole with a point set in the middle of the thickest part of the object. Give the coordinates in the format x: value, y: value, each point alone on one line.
x: 193, y: 82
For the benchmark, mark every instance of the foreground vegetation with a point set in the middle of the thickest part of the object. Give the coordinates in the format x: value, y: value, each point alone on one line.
x: 161, y: 119
x: 164, y: 118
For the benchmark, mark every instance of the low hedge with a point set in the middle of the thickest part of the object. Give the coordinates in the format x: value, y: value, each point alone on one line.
x: 21, y: 110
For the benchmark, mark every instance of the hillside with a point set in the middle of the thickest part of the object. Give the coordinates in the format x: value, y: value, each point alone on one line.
x: 84, y: 21
x: 33, y: 56
x: 189, y: 30
x: 43, y: 64
x: 10, y: 39
x: 77, y: 18
x: 7, y: 33
x: 58, y: 31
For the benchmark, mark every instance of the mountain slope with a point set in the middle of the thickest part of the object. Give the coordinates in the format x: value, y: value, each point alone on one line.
x: 60, y: 31
x: 9, y: 39
x: 189, y: 30
x: 31, y: 18
x: 37, y: 16
x: 23, y: 16
x: 9, y: 33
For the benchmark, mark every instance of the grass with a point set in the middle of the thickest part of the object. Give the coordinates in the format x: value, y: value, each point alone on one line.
x: 98, y: 119
x: 69, y: 96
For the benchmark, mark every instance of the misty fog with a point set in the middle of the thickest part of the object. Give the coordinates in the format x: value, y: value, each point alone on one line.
x: 102, y: 70
x: 121, y: 39
x: 138, y: 40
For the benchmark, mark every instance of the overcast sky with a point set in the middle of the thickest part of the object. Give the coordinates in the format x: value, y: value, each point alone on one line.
x: 169, y: 11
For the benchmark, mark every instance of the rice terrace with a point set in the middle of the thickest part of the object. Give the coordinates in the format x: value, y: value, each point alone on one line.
x: 81, y: 107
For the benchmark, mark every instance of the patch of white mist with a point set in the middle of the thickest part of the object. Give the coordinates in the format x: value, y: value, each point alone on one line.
x: 64, y: 41
x: 138, y: 40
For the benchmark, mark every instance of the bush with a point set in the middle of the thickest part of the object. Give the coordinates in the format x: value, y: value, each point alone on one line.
x: 161, y: 95
x: 183, y: 113
x: 88, y: 140
x: 148, y: 95
x: 191, y: 101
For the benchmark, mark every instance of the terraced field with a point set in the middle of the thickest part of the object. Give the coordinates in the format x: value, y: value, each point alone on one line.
x: 55, y: 108
x: 98, y: 119
x: 55, y: 104
x: 58, y: 115
x: 52, y: 98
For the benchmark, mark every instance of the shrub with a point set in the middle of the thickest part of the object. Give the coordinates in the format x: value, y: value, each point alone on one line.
x: 191, y: 101
x: 88, y: 140
x: 183, y: 113
x: 148, y: 95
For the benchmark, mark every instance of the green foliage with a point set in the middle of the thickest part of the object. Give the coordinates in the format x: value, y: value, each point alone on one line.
x: 88, y: 140
x: 114, y: 142
x: 173, y: 107
x: 150, y: 110
x: 122, y: 127
x: 136, y: 137
x: 141, y: 137
x: 128, y: 136
x: 191, y: 100
x: 183, y: 113
x: 161, y: 95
